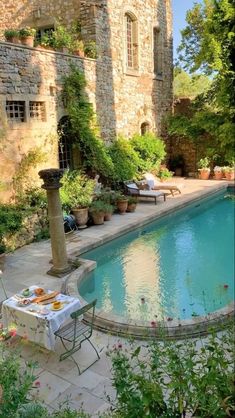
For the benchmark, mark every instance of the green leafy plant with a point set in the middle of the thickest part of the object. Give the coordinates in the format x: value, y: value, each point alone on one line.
x: 98, y: 206
x: 163, y: 173
x: 77, y: 190
x: 47, y: 40
x: 90, y: 50
x: 62, y: 37
x: 11, y: 33
x: 173, y: 379
x: 132, y: 200
x: 150, y: 149
x: 93, y: 151
x: 25, y: 32
x: 125, y: 160
x: 204, y: 164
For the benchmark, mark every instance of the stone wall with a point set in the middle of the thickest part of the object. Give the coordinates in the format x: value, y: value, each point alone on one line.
x: 32, y: 226
x: 122, y: 99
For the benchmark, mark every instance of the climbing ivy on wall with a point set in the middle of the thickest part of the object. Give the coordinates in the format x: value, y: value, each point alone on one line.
x: 93, y: 150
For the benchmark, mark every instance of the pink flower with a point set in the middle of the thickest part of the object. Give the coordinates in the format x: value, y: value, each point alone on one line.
x: 12, y: 332
x: 37, y: 384
x: 153, y: 324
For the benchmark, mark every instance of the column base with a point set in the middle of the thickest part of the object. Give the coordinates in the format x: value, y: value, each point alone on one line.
x: 60, y: 272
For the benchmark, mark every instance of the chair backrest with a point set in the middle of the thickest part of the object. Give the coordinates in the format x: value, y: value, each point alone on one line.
x: 84, y: 309
x: 132, y: 188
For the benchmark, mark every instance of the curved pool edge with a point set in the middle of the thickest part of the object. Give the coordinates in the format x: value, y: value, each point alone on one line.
x: 176, y: 329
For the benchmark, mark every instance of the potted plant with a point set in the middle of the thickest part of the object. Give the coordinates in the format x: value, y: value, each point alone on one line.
x: 204, y: 168
x: 229, y: 172
x: 108, y: 212
x: 97, y: 210
x: 27, y: 36
x: 12, y: 35
x: 122, y: 203
x: 218, y: 172
x: 76, y: 195
x: 47, y: 41
x: 164, y: 173
x: 78, y: 48
x: 90, y: 50
x: 132, y: 202
x: 62, y: 39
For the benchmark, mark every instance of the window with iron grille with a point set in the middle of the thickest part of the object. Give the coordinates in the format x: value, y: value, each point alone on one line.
x: 15, y: 110
x: 131, y: 42
x: 44, y: 31
x: 37, y: 111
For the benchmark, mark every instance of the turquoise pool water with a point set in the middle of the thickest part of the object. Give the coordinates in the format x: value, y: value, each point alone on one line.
x: 180, y: 266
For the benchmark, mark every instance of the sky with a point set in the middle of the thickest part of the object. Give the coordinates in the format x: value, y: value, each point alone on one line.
x: 180, y: 8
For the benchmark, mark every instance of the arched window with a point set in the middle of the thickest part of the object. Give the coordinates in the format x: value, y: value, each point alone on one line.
x: 65, y: 145
x: 131, y: 41
x: 157, y: 51
x: 145, y: 127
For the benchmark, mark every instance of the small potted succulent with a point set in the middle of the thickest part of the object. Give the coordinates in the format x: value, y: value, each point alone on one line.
x: 132, y: 202
x: 218, y: 172
x: 27, y: 36
x: 12, y: 35
x: 204, y: 168
x: 229, y: 172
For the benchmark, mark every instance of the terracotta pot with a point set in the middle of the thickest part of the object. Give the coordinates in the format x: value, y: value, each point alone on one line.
x: 79, y: 53
x: 98, y: 218
x: 28, y: 41
x: 218, y: 175
x: 204, y: 174
x: 229, y: 175
x: 81, y: 217
x: 131, y: 207
x: 13, y: 39
x: 122, y: 206
x: 108, y: 216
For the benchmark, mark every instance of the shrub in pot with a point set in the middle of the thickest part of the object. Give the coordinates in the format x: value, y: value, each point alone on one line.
x: 27, y: 36
x: 108, y: 212
x: 204, y: 168
x: 12, y: 35
x: 76, y: 195
x: 229, y: 172
x: 97, y: 210
x: 77, y: 48
x: 132, y: 202
x: 122, y: 203
x: 218, y: 172
x: 163, y: 173
x: 62, y: 39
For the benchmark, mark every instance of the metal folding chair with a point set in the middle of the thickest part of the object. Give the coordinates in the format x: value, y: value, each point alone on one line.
x: 77, y: 331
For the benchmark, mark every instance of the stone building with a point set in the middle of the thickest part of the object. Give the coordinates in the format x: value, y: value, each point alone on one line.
x: 129, y: 84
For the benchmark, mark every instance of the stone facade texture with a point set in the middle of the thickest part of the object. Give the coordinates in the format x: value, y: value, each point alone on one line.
x: 122, y: 99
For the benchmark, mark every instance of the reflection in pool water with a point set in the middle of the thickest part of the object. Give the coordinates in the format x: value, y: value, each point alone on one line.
x: 179, y: 266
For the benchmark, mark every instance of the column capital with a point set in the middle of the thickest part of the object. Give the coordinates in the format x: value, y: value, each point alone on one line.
x: 51, y: 178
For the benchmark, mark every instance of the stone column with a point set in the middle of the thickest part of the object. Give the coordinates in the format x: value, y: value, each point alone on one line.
x: 51, y: 178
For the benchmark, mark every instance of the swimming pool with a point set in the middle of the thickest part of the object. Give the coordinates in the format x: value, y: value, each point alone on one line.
x: 180, y: 266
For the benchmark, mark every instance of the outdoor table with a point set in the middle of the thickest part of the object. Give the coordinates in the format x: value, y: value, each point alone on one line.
x: 35, y: 326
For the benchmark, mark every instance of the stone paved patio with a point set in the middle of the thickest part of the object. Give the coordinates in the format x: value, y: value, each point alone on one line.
x: 28, y: 265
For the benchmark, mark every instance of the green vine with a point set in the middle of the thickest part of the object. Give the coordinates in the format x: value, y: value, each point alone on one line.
x: 22, y: 179
x: 81, y: 115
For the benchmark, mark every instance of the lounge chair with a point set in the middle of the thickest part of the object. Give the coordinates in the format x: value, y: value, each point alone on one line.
x: 133, y: 190
x: 154, y: 184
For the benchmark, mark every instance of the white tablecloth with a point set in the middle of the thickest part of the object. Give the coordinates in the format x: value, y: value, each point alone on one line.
x: 34, y: 326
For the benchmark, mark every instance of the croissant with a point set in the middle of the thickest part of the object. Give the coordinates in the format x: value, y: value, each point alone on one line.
x: 45, y: 297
